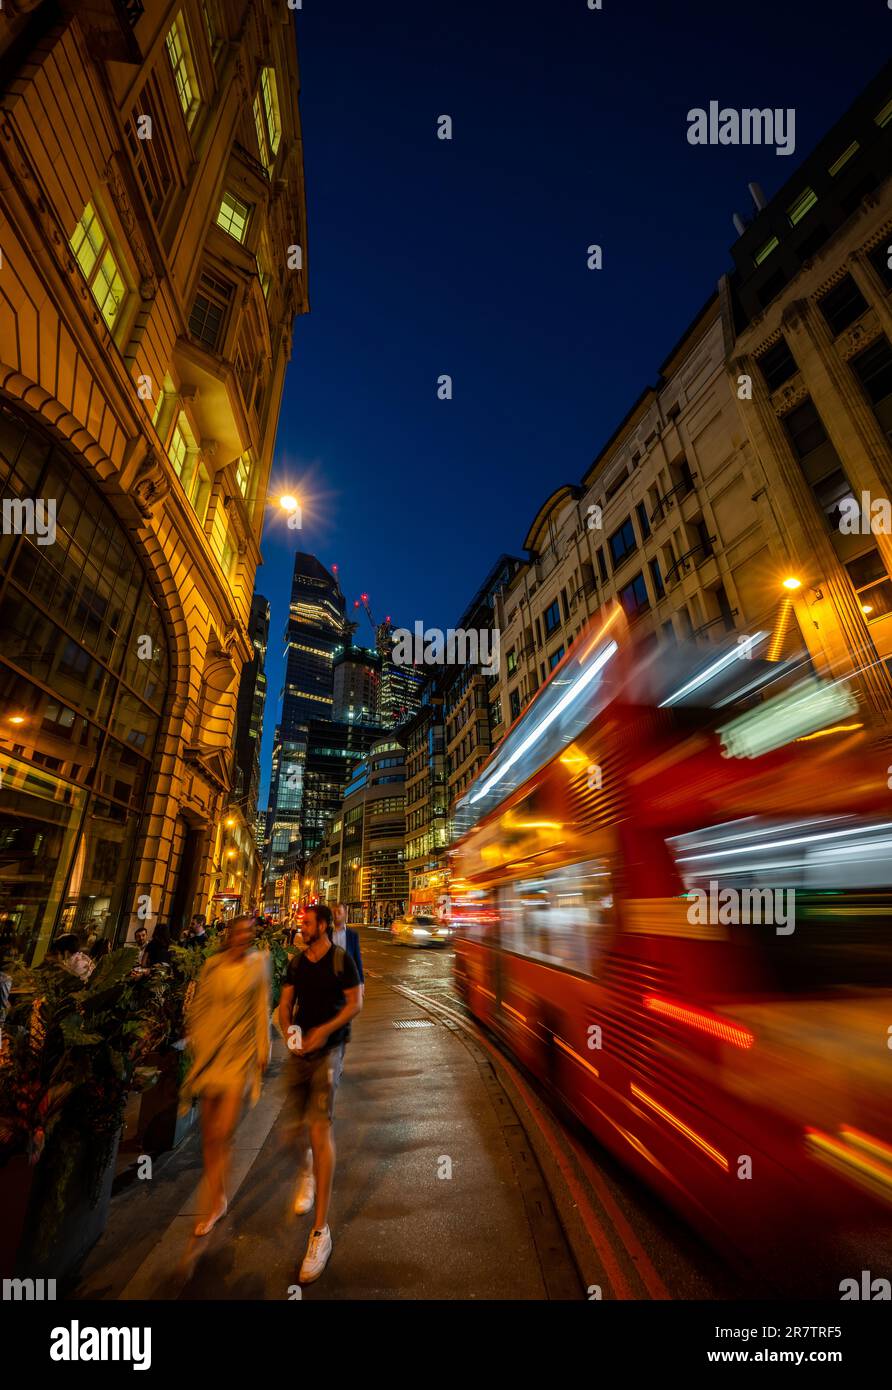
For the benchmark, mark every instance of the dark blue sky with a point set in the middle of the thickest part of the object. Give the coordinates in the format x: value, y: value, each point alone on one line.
x: 469, y: 257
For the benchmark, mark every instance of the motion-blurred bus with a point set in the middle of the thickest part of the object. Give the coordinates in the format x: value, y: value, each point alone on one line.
x: 672, y: 898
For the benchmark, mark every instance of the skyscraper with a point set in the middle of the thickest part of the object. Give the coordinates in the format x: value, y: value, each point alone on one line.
x: 316, y: 626
x: 249, y: 711
x: 315, y: 631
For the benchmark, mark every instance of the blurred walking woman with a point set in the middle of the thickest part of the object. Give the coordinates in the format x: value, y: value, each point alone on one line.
x: 228, y: 1035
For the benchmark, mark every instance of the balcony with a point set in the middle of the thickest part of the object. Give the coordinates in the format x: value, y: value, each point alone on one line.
x: 690, y: 560
x: 667, y: 502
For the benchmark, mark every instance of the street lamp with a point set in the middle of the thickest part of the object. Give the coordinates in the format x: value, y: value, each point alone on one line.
x: 792, y: 583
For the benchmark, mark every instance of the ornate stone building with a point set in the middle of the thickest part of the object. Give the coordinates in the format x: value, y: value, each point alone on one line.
x: 152, y: 230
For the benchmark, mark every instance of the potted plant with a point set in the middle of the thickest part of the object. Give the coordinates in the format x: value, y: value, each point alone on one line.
x: 71, y: 1051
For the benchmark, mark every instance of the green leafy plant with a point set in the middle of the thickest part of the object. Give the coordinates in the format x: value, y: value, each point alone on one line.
x: 71, y: 1051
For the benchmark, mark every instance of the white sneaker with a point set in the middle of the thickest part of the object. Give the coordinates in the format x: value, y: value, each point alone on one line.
x: 305, y: 1195
x: 316, y: 1258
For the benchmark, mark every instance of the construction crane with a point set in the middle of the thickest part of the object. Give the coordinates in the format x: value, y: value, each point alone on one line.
x: 382, y: 631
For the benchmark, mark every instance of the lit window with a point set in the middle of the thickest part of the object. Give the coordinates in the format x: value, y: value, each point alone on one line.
x: 843, y: 159
x: 233, y: 216
x: 260, y: 126
x: 226, y: 555
x: 264, y: 260
x: 766, y: 251
x: 803, y: 204
x: 178, y: 451
x: 183, y: 70
x: 885, y: 116
x: 271, y: 107
x: 243, y: 474
x: 90, y: 244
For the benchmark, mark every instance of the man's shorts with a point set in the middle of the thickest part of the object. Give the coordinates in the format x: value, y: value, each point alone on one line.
x: 312, y: 1083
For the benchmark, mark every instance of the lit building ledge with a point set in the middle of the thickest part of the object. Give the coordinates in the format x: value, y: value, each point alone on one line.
x: 217, y: 405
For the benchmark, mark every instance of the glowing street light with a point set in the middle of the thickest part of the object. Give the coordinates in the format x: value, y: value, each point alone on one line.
x: 792, y: 583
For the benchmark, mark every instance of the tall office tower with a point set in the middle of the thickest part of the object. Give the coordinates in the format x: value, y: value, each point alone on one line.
x: 357, y: 685
x: 151, y: 168
x: 249, y: 711
x: 401, y: 690
x: 316, y: 630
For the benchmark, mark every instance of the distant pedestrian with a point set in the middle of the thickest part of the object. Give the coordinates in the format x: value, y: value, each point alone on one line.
x: 141, y: 942
x: 228, y: 1034
x: 320, y: 995
x: 197, y: 934
x: 347, y: 938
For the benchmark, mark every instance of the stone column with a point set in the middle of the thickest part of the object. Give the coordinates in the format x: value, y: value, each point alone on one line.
x: 845, y: 640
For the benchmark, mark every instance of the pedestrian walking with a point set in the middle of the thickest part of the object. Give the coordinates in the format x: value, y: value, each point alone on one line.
x: 320, y: 995
x: 228, y: 1036
x: 347, y: 938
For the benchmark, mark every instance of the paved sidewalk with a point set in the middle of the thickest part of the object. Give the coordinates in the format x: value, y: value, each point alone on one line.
x: 412, y: 1103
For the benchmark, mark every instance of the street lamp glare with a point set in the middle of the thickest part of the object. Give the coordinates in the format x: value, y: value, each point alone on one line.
x: 792, y: 583
x: 288, y: 503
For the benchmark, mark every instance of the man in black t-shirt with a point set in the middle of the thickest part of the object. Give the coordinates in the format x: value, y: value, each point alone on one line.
x: 320, y: 996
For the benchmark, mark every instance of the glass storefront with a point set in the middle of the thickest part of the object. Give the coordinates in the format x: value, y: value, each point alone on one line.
x: 83, y: 677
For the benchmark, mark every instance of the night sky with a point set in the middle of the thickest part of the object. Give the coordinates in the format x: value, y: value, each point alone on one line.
x: 468, y: 257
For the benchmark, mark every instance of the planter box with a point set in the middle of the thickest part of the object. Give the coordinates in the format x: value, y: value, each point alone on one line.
x: 16, y: 1182
x: 160, y: 1124
x: 61, y: 1221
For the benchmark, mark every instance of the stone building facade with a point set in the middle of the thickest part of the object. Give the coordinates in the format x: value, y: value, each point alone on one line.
x: 153, y: 238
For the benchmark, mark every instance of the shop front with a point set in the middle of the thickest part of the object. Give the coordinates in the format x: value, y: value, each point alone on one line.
x: 83, y: 679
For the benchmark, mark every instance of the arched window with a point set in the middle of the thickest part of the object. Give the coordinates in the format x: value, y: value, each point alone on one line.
x: 83, y: 678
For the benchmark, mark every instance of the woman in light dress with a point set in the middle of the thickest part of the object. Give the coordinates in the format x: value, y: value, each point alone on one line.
x: 228, y: 1036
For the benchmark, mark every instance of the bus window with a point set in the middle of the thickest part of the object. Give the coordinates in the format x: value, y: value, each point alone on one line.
x: 474, y: 915
x: 807, y: 901
x: 562, y: 916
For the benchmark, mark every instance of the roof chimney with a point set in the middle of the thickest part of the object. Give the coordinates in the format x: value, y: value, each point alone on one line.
x: 757, y: 196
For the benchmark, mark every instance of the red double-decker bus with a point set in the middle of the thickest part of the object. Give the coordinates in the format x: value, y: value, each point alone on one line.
x: 672, y: 898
